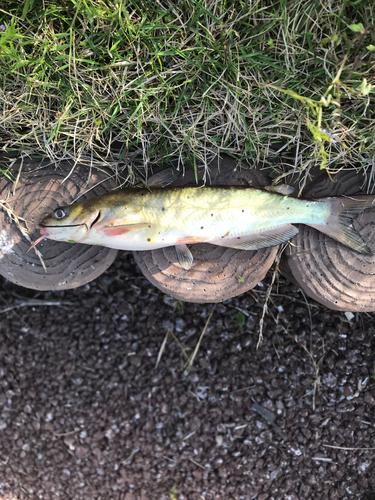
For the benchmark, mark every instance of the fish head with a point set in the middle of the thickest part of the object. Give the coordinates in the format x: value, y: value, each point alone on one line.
x: 71, y: 223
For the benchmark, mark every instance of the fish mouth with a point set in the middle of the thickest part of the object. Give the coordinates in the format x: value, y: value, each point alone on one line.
x: 42, y: 226
x: 43, y: 232
x: 91, y: 222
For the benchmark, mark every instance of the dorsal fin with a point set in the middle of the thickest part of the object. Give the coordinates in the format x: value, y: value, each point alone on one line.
x: 161, y: 179
x: 284, y: 189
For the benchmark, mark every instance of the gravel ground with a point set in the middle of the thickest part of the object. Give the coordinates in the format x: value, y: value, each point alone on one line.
x: 85, y: 413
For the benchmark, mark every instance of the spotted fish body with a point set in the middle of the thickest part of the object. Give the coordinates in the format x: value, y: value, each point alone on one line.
x: 244, y: 218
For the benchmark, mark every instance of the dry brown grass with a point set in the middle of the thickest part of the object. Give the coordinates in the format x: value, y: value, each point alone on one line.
x: 141, y: 82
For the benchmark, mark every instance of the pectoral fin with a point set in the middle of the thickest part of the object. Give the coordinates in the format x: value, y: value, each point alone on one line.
x: 118, y: 230
x: 256, y: 241
x: 193, y: 239
x: 185, y: 257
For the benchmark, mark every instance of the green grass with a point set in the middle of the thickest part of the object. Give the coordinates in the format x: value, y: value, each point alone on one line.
x: 140, y: 82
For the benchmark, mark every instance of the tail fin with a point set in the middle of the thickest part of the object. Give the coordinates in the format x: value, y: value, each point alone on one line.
x: 339, y: 224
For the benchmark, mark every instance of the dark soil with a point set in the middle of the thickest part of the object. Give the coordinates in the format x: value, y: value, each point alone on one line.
x: 85, y: 414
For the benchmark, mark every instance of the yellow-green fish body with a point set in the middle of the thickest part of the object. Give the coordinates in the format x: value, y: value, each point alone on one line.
x: 245, y: 218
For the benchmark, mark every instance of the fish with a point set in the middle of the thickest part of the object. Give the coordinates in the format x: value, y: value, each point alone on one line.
x: 245, y: 218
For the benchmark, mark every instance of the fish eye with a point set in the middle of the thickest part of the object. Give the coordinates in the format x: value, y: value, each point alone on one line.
x: 59, y: 213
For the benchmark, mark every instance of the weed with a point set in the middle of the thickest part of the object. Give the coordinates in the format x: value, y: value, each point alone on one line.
x: 241, y: 320
x: 137, y: 82
x: 173, y: 493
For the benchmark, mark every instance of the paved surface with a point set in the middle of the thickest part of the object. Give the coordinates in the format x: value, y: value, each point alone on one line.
x: 85, y: 414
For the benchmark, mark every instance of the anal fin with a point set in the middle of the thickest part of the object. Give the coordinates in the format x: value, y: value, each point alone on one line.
x: 255, y: 241
x: 185, y: 257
